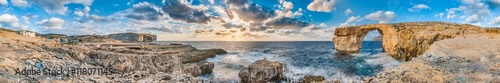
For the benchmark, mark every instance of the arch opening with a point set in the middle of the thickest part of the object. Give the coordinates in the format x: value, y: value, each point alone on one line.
x: 372, y: 42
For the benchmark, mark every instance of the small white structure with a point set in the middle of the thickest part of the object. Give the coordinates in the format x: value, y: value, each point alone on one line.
x: 27, y: 33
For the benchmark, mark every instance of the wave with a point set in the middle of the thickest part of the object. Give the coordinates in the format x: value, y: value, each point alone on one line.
x: 331, y: 67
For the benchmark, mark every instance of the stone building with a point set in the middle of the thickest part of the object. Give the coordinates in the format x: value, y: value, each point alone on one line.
x: 133, y: 37
x: 27, y: 33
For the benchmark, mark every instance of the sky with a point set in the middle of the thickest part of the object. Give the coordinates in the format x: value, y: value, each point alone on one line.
x: 235, y: 20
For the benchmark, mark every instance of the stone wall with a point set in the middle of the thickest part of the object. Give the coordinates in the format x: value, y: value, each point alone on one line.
x: 403, y: 41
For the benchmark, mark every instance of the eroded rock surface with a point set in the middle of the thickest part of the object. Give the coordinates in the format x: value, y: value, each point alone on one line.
x: 129, y: 62
x: 473, y: 58
x: 404, y: 41
x: 262, y: 71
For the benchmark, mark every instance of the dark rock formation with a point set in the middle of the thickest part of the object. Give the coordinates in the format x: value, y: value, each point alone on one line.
x: 206, y: 67
x: 403, y: 41
x: 262, y: 71
x: 199, y: 55
x: 312, y: 79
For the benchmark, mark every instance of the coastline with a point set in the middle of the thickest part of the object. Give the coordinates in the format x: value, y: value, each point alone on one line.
x: 457, y: 59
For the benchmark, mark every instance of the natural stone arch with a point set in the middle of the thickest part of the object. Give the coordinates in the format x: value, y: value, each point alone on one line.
x: 403, y: 41
x: 350, y: 39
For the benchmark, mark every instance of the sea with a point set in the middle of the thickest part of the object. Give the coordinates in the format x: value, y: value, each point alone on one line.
x: 318, y: 58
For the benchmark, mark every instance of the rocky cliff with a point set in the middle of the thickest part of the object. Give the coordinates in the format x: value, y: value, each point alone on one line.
x: 128, y: 62
x: 404, y: 41
x: 133, y: 37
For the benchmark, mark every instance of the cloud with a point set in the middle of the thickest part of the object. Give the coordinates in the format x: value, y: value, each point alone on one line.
x: 474, y: 19
x: 322, y: 5
x: 287, y: 23
x: 440, y: 15
x: 8, y: 20
x: 146, y: 11
x: 79, y: 13
x: 475, y: 9
x: 253, y: 13
x: 164, y: 29
x: 27, y: 17
x: 84, y: 12
x: 418, y: 7
x: 230, y: 25
x: 3, y: 2
x: 211, y: 1
x: 350, y: 21
x: 199, y: 31
x: 451, y: 13
x: 52, y: 23
x: 288, y: 5
x: 495, y: 21
x: 382, y: 17
x: 97, y: 18
x: 261, y: 18
x: 347, y: 12
x: 20, y: 3
x: 58, y: 6
x: 495, y: 3
x: 236, y: 2
x: 286, y: 10
x: 183, y: 10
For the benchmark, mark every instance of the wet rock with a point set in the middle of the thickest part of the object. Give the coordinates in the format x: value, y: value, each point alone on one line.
x: 206, y: 67
x: 262, y: 71
x: 312, y: 79
x: 217, y: 51
x: 200, y: 55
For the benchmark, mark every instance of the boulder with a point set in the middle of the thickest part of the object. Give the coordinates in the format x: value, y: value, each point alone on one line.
x: 206, y: 67
x: 312, y: 79
x: 198, y: 69
x: 262, y: 71
x: 192, y: 69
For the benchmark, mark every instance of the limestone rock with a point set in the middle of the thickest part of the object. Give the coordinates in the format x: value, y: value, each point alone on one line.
x: 404, y: 41
x: 199, y: 55
x: 313, y: 79
x: 192, y: 69
x: 472, y: 58
x: 129, y: 62
x: 262, y: 71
